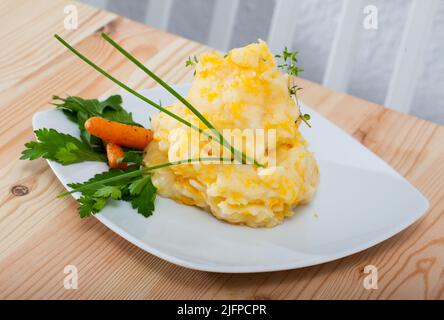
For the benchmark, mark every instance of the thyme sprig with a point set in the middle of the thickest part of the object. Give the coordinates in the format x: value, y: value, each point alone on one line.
x: 192, y: 62
x: 294, y: 94
x: 288, y: 64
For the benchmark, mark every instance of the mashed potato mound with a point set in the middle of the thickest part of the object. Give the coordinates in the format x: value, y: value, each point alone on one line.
x: 243, y: 90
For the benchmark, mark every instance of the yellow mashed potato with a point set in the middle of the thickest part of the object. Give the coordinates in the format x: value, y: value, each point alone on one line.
x: 243, y: 90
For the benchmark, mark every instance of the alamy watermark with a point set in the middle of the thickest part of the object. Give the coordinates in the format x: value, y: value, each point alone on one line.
x: 71, y: 279
x: 370, y: 281
x: 256, y: 144
x: 370, y: 21
x: 71, y: 21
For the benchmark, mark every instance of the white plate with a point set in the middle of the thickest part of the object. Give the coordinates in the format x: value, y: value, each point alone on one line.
x: 360, y: 202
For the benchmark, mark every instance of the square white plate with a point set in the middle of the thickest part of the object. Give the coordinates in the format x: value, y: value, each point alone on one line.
x: 360, y: 202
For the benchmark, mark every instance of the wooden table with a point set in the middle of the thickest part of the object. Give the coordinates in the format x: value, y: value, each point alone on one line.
x: 40, y: 234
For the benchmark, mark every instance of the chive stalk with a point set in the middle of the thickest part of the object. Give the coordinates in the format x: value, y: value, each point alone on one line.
x: 136, y: 173
x: 240, y: 156
x: 177, y: 95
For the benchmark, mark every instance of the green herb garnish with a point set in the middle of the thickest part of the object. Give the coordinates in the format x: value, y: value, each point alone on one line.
x: 132, y: 184
x: 60, y: 147
x: 192, y: 61
x: 289, y: 60
x: 128, y: 174
x: 137, y: 189
x: 142, y: 195
x: 79, y: 110
x: 132, y: 156
x: 215, y: 135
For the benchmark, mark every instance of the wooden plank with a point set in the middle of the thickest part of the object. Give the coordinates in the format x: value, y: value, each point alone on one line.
x: 85, y: 82
x: 44, y: 19
x: 410, y: 60
x: 40, y: 234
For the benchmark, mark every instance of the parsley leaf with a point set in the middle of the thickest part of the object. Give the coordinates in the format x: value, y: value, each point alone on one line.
x: 79, y: 110
x: 103, y: 176
x: 92, y: 106
x: 89, y: 206
x: 139, y: 191
x: 59, y: 147
x: 113, y: 192
x: 122, y: 116
x: 132, y: 156
x: 143, y: 194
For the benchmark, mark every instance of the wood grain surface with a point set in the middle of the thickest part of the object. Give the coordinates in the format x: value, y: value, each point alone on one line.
x: 40, y: 234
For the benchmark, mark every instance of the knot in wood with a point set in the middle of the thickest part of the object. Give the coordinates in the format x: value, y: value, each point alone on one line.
x: 19, y: 190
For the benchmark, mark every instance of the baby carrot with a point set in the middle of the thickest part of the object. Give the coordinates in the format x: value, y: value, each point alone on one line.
x: 119, y: 133
x: 114, y: 153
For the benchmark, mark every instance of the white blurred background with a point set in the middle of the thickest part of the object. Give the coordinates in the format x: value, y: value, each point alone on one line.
x: 315, y: 30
